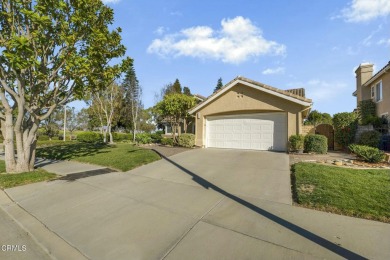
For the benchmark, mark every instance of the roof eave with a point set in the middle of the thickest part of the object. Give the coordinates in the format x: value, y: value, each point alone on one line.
x: 384, y: 70
x: 238, y: 80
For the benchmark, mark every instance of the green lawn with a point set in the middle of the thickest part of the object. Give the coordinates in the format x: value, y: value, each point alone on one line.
x: 13, y: 180
x: 352, y: 192
x: 121, y: 156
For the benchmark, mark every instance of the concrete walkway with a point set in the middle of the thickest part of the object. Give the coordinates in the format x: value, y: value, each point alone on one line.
x: 182, y: 208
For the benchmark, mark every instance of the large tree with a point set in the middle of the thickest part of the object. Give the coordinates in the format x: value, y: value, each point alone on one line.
x: 174, y: 109
x: 132, y: 99
x: 105, y: 104
x: 51, y: 51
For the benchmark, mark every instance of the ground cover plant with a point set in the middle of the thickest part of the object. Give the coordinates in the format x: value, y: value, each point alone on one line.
x: 13, y: 180
x: 121, y: 156
x: 352, y: 192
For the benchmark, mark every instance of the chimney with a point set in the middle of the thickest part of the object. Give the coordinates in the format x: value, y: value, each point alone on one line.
x: 363, y: 74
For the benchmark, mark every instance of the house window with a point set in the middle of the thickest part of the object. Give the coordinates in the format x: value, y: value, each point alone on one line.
x: 378, y: 91
x: 372, y: 91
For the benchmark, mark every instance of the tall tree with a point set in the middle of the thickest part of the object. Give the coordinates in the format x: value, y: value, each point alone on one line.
x: 187, y: 91
x: 105, y: 105
x: 51, y: 51
x: 132, y: 97
x: 176, y: 87
x: 219, y: 85
x: 71, y: 120
x: 83, y: 120
x: 316, y: 118
x: 173, y: 109
x: 171, y: 88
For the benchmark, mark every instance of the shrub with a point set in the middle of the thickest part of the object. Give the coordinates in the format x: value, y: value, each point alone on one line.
x: 118, y: 137
x: 187, y: 140
x: 316, y: 144
x: 296, y: 142
x: 345, y: 125
x: 90, y: 137
x: 143, y: 138
x: 366, y: 111
x: 156, y: 137
x: 367, y: 153
x: 43, y: 137
x: 167, y: 141
x: 370, y: 138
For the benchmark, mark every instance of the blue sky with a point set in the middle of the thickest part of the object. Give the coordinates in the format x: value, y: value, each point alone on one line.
x: 281, y: 43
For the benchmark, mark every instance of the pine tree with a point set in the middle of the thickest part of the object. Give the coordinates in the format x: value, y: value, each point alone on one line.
x: 187, y: 91
x: 132, y: 99
x: 219, y: 85
x: 176, y: 87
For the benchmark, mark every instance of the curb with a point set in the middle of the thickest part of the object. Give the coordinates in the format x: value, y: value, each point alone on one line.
x: 50, y: 242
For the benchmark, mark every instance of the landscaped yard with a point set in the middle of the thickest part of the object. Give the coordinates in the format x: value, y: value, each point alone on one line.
x: 121, y: 156
x: 353, y: 192
x: 12, y: 180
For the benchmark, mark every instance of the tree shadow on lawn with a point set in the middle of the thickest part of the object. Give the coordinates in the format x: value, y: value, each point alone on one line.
x: 69, y: 151
x: 343, y: 252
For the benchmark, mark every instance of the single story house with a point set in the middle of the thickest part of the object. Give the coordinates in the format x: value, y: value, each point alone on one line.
x: 246, y: 114
x: 375, y: 87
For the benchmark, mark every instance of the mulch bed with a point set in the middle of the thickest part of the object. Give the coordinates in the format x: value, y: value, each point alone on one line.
x: 337, y: 159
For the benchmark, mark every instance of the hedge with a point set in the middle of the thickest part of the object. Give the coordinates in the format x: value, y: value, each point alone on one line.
x: 186, y: 140
x: 121, y: 136
x: 296, y: 142
x: 143, y: 138
x: 90, y: 137
x: 316, y: 144
x: 167, y: 141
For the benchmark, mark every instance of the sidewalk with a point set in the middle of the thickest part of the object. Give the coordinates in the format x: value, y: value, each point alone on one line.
x: 25, y: 237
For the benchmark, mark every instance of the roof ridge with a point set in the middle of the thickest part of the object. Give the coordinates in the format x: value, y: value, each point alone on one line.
x: 281, y: 91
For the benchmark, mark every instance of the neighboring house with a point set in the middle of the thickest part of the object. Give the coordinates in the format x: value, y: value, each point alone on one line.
x: 246, y: 114
x: 375, y: 87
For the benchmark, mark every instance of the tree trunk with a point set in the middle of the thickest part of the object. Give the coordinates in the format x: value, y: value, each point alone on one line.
x: 134, y: 129
x: 9, y: 147
x: 110, y: 135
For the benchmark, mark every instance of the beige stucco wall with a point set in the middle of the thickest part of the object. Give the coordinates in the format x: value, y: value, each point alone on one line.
x: 243, y: 99
x: 383, y: 106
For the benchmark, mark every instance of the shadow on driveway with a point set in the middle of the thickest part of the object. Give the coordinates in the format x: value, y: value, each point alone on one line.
x: 282, y: 222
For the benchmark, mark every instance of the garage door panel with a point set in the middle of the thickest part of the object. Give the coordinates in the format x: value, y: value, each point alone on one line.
x: 267, y: 131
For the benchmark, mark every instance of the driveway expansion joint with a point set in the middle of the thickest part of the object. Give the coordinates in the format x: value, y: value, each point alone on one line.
x: 188, y: 231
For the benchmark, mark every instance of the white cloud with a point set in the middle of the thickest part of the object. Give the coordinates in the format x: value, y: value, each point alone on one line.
x: 385, y: 42
x: 278, y: 70
x: 319, y: 90
x: 161, y: 30
x: 237, y: 41
x: 365, y: 10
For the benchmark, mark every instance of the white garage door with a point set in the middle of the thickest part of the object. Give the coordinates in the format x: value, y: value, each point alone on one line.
x: 265, y: 131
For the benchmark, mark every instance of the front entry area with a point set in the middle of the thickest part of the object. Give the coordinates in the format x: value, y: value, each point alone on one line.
x: 261, y: 131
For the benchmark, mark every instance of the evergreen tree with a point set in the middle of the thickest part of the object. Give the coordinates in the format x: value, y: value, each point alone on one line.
x: 176, y: 87
x: 132, y: 99
x: 219, y: 85
x: 187, y: 91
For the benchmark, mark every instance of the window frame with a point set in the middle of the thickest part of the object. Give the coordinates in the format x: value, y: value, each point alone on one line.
x: 375, y: 89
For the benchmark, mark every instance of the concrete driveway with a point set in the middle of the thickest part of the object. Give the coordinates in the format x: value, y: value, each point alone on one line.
x: 201, y: 204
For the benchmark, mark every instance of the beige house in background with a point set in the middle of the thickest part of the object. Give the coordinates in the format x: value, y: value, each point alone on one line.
x: 375, y: 87
x: 246, y: 114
